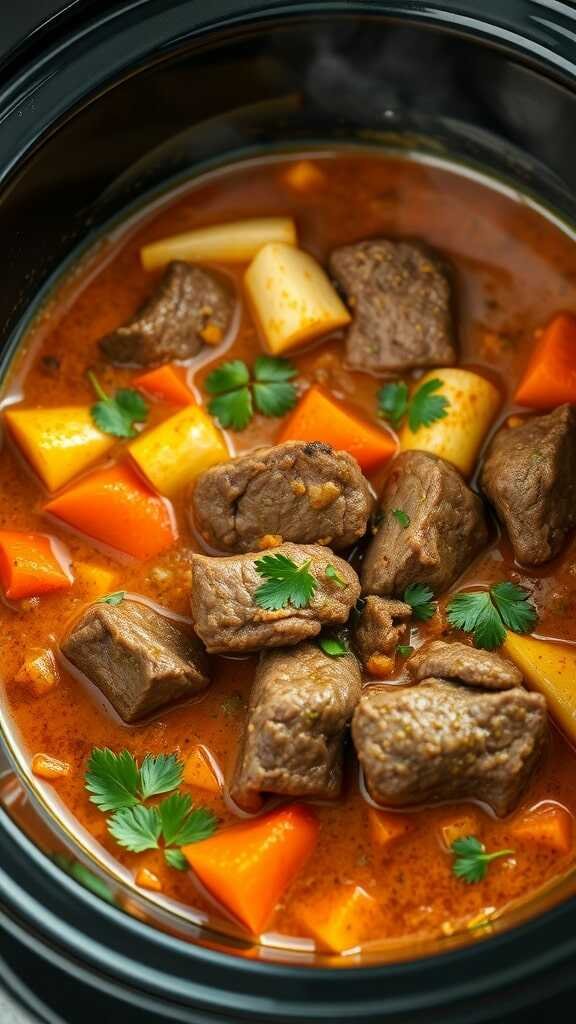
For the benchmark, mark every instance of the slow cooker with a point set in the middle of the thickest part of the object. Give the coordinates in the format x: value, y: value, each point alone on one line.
x: 103, y: 105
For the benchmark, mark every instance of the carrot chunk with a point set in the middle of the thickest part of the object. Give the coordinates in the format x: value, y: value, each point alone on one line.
x: 50, y: 768
x: 318, y: 417
x: 547, y: 825
x: 166, y: 383
x: 146, y: 879
x: 29, y: 565
x: 386, y: 827
x: 342, y: 922
x: 115, y: 506
x: 550, y: 377
x: 248, y: 867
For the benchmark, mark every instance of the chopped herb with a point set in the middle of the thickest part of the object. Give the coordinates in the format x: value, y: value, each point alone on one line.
x: 422, y: 409
x: 176, y: 859
x: 160, y: 773
x: 333, y: 575
x: 116, y: 598
x: 236, y: 394
x: 487, y: 614
x: 421, y: 600
x: 182, y: 823
x: 112, y: 779
x: 393, y: 401
x: 404, y: 650
x: 136, y: 828
x: 117, y: 415
x: 402, y: 517
x: 286, y: 583
x: 334, y: 646
x: 471, y: 860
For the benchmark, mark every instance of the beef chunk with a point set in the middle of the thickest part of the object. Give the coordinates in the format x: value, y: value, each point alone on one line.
x: 306, y: 493
x: 227, y: 618
x: 300, y: 705
x: 138, y: 658
x: 530, y: 477
x: 440, y: 741
x: 465, y: 665
x: 400, y: 297
x: 446, y: 531
x: 170, y: 323
x: 381, y: 627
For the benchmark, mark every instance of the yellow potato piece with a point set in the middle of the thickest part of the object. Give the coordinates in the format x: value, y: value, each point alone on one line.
x: 291, y: 297
x: 549, y: 668
x: 93, y: 581
x: 236, y: 242
x: 344, y: 922
x: 59, y: 443
x: 174, y: 453
x: 473, y: 404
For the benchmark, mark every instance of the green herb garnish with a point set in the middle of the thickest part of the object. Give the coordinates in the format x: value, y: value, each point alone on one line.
x: 488, y: 613
x: 332, y: 575
x: 117, y: 415
x: 236, y: 394
x: 423, y: 408
x: 286, y: 583
x: 136, y: 828
x: 333, y: 646
x: 116, y: 598
x: 402, y: 517
x: 421, y: 600
x: 115, y: 781
x: 404, y: 650
x: 471, y: 860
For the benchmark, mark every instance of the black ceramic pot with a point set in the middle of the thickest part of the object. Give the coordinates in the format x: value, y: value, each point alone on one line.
x: 107, y: 103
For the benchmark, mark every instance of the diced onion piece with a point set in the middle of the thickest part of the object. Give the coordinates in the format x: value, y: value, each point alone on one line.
x: 473, y: 404
x: 179, y: 449
x: 44, y: 766
x: 458, y: 827
x: 549, y: 668
x: 235, y: 242
x: 39, y: 671
x: 292, y: 299
x: 59, y: 443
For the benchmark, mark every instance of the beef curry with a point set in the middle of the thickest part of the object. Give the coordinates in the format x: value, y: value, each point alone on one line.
x: 286, y: 551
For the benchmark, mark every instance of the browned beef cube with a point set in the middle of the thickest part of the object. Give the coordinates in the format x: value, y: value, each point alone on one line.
x: 439, y: 741
x: 464, y: 664
x: 227, y: 617
x: 382, y: 625
x: 139, y: 659
x: 530, y: 477
x: 305, y: 493
x: 446, y: 528
x: 301, y: 702
x: 399, y: 295
x: 168, y: 326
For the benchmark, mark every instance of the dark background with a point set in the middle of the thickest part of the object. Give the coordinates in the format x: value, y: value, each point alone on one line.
x: 17, y: 17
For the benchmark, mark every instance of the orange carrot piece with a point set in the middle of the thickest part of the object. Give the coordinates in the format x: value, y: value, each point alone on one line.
x: 50, y: 768
x: 547, y: 825
x: 550, y: 377
x: 115, y: 506
x: 319, y: 417
x: 343, y: 921
x: 29, y: 565
x: 248, y: 867
x: 146, y: 879
x: 166, y: 383
x: 386, y: 827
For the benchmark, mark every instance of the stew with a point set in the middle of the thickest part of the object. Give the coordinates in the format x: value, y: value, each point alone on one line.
x: 287, y: 499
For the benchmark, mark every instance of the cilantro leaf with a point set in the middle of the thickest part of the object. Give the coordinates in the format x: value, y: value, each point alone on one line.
x: 471, y: 860
x: 233, y: 410
x: 393, y: 401
x: 160, y: 774
x: 421, y: 600
x: 404, y: 650
x: 486, y: 613
x: 332, y: 575
x: 271, y: 369
x: 182, y: 823
x: 402, y: 517
x: 112, y: 779
x: 136, y: 828
x: 286, y: 583
x: 176, y: 859
x: 333, y: 646
x: 275, y: 399
x: 117, y: 415
x: 226, y: 377
x: 116, y: 598
x: 426, y: 407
